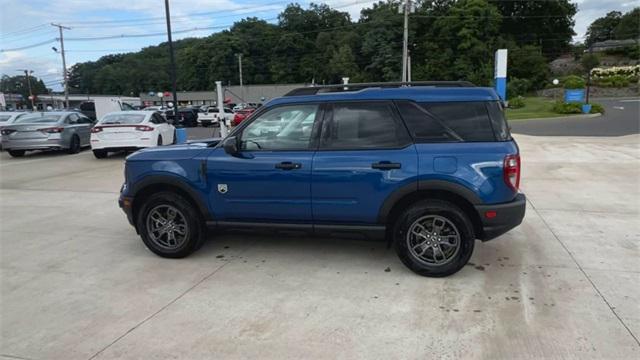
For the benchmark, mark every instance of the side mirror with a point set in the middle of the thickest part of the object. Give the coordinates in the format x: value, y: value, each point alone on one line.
x: 230, y: 145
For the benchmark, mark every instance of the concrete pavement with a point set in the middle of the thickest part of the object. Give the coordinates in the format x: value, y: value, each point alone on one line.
x: 77, y: 282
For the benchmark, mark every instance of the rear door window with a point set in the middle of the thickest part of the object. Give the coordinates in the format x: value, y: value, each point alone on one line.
x: 498, y: 120
x: 363, y: 125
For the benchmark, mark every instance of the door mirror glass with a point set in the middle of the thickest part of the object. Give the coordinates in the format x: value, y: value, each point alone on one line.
x: 230, y: 145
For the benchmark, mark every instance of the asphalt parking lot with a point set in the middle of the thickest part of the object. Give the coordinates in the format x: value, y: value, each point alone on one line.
x: 77, y: 282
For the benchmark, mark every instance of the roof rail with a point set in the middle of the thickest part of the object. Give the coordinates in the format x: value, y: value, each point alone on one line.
x: 316, y: 89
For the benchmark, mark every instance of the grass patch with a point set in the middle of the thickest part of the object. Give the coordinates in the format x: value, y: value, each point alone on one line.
x: 534, y: 107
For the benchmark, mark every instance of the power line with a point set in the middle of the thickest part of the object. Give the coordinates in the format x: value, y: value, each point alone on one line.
x: 30, y: 46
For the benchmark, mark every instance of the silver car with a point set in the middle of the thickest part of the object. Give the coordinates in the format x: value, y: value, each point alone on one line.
x: 7, y: 118
x: 47, y: 131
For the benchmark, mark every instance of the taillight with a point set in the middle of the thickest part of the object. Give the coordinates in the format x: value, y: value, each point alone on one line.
x: 511, y: 170
x: 96, y: 129
x: 144, y: 128
x: 53, y: 130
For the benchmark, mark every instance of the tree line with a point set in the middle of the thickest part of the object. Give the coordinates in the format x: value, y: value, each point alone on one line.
x: 448, y: 40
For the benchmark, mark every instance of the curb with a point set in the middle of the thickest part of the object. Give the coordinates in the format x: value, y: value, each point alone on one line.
x: 577, y: 116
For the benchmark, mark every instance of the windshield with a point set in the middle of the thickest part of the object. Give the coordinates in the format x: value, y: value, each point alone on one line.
x: 4, y: 118
x: 123, y: 119
x: 38, y: 118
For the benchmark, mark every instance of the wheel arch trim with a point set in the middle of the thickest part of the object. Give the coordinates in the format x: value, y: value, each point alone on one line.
x: 425, y: 185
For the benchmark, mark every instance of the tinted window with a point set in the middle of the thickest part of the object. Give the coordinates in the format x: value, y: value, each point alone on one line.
x: 500, y: 127
x: 424, y: 127
x: 469, y: 120
x: 363, y: 126
x: 157, y: 119
x: 281, y: 128
x: 85, y: 120
x: 38, y: 118
x: 88, y: 106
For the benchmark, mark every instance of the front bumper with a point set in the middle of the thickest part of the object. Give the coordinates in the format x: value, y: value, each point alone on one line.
x: 126, y: 204
x: 497, y: 219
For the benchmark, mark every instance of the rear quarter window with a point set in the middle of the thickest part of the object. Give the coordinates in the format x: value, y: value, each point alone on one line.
x: 479, y: 121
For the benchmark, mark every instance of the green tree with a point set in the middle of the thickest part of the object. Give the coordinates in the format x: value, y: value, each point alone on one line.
x: 548, y: 24
x: 602, y: 28
x: 629, y: 26
x: 527, y: 62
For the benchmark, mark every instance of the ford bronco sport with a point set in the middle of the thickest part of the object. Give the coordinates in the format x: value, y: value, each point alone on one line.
x: 431, y: 166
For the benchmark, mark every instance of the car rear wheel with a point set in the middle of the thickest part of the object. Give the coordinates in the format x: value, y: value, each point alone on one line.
x: 74, y: 145
x: 170, y: 226
x: 434, y: 238
x: 16, y: 153
x: 100, y: 154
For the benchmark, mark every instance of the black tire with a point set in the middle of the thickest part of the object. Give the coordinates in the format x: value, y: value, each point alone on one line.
x: 195, y: 233
x: 74, y: 145
x: 458, y: 222
x: 100, y: 154
x: 16, y: 153
x: 159, y: 140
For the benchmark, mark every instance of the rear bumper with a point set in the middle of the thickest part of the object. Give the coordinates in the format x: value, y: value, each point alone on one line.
x: 507, y: 216
x: 33, y: 144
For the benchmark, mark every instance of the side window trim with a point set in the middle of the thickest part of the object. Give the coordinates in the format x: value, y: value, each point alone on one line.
x: 328, y: 122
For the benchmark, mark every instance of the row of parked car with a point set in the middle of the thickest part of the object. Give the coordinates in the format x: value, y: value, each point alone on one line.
x: 116, y: 131
x: 72, y: 130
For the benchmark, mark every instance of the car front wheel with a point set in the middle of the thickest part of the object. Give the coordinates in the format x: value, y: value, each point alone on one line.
x: 170, y: 226
x: 434, y: 238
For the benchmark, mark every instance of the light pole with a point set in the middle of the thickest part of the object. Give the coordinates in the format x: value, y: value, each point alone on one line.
x: 407, y: 7
x: 240, y: 73
x: 172, y: 56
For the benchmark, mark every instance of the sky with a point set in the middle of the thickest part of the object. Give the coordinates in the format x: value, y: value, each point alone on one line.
x: 24, y: 23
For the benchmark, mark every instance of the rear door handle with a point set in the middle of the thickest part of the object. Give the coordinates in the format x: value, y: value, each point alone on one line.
x: 386, y: 165
x: 288, y: 165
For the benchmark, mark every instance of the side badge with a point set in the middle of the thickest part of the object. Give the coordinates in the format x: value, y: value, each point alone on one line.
x: 222, y: 188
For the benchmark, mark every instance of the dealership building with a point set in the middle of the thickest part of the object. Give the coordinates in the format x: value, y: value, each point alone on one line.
x: 232, y: 94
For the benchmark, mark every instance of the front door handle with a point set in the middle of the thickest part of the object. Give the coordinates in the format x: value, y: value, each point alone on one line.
x: 288, y: 165
x: 386, y: 165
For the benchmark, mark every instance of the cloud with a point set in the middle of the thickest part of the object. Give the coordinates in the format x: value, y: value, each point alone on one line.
x: 46, y: 68
x: 590, y: 10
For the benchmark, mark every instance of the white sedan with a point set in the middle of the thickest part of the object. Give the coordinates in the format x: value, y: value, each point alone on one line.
x: 130, y: 130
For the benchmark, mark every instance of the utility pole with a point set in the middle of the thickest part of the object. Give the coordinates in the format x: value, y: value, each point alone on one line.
x: 239, y: 55
x: 409, y: 68
x: 407, y: 7
x: 26, y: 74
x: 173, y: 59
x: 65, y: 76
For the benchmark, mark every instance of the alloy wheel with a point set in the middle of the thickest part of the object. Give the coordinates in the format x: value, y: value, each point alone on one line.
x: 167, y: 227
x: 433, y: 240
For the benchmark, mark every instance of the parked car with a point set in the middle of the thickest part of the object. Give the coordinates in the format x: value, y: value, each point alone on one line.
x: 130, y: 130
x: 240, y: 115
x: 431, y: 167
x: 7, y: 118
x: 186, y: 117
x: 54, y: 130
x: 210, y: 116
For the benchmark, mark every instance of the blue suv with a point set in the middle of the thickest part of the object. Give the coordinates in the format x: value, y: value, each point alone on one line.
x: 432, y: 167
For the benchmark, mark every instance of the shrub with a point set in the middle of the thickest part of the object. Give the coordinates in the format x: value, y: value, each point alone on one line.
x: 517, y: 87
x: 573, y: 82
x: 596, y: 108
x: 516, y: 102
x: 567, y: 108
x: 576, y: 108
x: 616, y: 81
